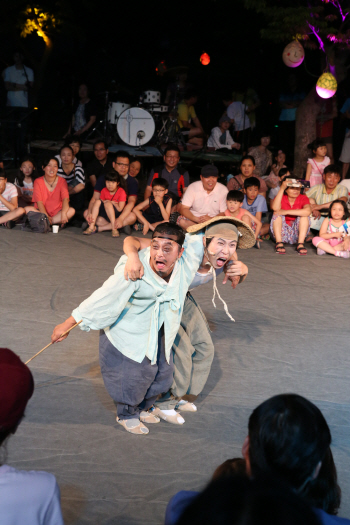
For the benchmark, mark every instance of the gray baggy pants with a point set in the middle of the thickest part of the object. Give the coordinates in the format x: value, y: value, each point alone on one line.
x: 134, y: 386
x: 193, y: 351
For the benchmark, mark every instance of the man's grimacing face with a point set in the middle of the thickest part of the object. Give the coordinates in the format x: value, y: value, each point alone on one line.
x: 163, y: 255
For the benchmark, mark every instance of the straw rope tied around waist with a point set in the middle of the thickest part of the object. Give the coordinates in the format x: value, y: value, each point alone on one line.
x: 216, y: 291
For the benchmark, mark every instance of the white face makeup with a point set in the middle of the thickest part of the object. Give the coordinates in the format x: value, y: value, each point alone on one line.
x: 220, y: 251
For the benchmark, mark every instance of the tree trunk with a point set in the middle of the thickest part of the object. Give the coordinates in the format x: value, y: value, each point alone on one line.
x: 305, y: 130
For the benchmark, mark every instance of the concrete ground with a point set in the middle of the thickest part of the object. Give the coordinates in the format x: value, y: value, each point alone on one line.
x: 291, y: 335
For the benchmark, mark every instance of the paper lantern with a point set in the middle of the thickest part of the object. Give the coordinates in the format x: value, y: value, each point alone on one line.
x: 326, y: 85
x: 293, y: 54
x: 205, y: 59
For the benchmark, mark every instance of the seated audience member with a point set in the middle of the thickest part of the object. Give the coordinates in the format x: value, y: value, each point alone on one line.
x: 255, y: 204
x: 334, y: 231
x: 247, y: 170
x: 237, y: 113
x: 234, y: 203
x: 239, y: 500
x: 121, y: 166
x: 101, y: 165
x: 51, y: 195
x: 346, y: 184
x: 158, y: 207
x: 203, y: 199
x: 74, y: 176
x: 110, y: 204
x: 220, y: 136
x: 181, y: 500
x: 74, y: 142
x: 26, y: 497
x: 84, y: 114
x: 177, y: 177
x: 322, y: 195
x: 135, y: 167
x: 280, y: 162
x: 290, y: 222
x: 189, y: 123
x: 24, y: 181
x: 262, y: 156
x: 318, y: 162
x: 289, y: 439
x: 9, y: 210
x: 275, y: 186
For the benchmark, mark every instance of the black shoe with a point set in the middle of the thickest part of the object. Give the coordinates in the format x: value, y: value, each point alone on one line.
x: 9, y: 225
x: 127, y: 230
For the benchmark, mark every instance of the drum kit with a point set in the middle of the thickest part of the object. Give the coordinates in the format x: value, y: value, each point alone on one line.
x: 137, y: 126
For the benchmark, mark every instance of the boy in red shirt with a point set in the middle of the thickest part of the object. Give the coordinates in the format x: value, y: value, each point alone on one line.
x: 110, y: 204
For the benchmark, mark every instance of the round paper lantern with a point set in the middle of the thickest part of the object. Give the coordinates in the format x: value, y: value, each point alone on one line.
x: 326, y: 85
x: 205, y: 59
x: 293, y: 54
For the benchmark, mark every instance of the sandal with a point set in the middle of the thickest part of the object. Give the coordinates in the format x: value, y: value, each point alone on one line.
x: 280, y: 248
x: 148, y: 417
x: 265, y: 237
x: 115, y: 233
x: 257, y: 244
x: 134, y: 426
x: 90, y: 231
x: 301, y: 248
x: 138, y: 227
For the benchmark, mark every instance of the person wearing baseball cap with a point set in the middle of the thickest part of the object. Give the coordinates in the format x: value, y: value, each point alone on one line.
x: 220, y: 137
x: 203, y: 199
x: 25, y: 496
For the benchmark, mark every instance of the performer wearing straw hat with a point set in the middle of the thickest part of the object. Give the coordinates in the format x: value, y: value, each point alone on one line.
x: 140, y: 321
x: 193, y: 349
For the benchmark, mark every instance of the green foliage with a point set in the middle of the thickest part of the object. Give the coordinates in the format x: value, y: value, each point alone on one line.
x: 316, y: 22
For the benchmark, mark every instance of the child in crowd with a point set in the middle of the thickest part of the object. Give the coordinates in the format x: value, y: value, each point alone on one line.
x: 333, y: 237
x: 234, y: 209
x: 255, y: 203
x: 110, y: 204
x: 158, y: 207
x: 247, y: 169
x: 272, y: 180
x: 317, y: 164
x: 24, y: 181
x: 9, y: 210
x: 283, y: 172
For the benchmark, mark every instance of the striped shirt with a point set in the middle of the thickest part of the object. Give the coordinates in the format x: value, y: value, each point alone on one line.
x: 75, y: 177
x: 320, y: 195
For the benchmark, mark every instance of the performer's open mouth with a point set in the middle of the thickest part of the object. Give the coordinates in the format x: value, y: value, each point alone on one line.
x: 220, y: 262
x: 160, y: 265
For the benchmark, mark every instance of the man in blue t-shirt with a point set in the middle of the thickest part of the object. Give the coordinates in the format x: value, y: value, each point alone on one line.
x: 126, y: 218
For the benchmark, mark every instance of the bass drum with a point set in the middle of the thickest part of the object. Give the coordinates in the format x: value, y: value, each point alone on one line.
x: 115, y: 110
x: 135, y: 126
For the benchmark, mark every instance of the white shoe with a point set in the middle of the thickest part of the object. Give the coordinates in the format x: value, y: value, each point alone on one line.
x: 170, y: 416
x: 186, y: 406
x: 134, y: 426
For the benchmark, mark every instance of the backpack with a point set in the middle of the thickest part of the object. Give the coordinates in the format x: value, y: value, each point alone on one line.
x: 36, y: 222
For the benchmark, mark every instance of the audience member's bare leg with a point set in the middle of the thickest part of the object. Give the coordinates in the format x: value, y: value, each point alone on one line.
x: 185, y: 223
x: 109, y: 207
x: 277, y: 229
x: 303, y: 228
x: 57, y: 219
x: 12, y: 215
x: 129, y: 219
x: 103, y: 225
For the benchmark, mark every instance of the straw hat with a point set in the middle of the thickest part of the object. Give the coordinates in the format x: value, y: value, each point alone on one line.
x: 246, y: 238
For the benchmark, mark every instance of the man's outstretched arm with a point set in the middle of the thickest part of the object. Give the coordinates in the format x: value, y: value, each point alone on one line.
x: 133, y: 268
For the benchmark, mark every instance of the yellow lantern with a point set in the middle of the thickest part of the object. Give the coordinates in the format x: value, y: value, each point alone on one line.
x: 326, y: 85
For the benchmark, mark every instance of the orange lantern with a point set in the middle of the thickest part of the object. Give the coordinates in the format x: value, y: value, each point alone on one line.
x: 205, y: 59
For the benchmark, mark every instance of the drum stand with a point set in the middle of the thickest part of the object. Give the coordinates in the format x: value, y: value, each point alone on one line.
x: 103, y: 127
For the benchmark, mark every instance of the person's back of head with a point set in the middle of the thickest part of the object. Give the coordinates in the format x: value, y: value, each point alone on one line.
x: 239, y: 500
x: 16, y: 388
x: 288, y: 438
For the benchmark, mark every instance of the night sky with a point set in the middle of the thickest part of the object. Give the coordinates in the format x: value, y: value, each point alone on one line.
x: 124, y: 41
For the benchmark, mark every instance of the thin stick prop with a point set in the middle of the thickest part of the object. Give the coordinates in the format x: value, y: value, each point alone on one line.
x: 47, y: 346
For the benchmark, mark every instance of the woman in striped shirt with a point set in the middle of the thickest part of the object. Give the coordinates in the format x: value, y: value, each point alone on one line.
x: 74, y: 176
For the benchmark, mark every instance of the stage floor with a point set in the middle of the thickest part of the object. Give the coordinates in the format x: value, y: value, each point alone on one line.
x: 291, y: 335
